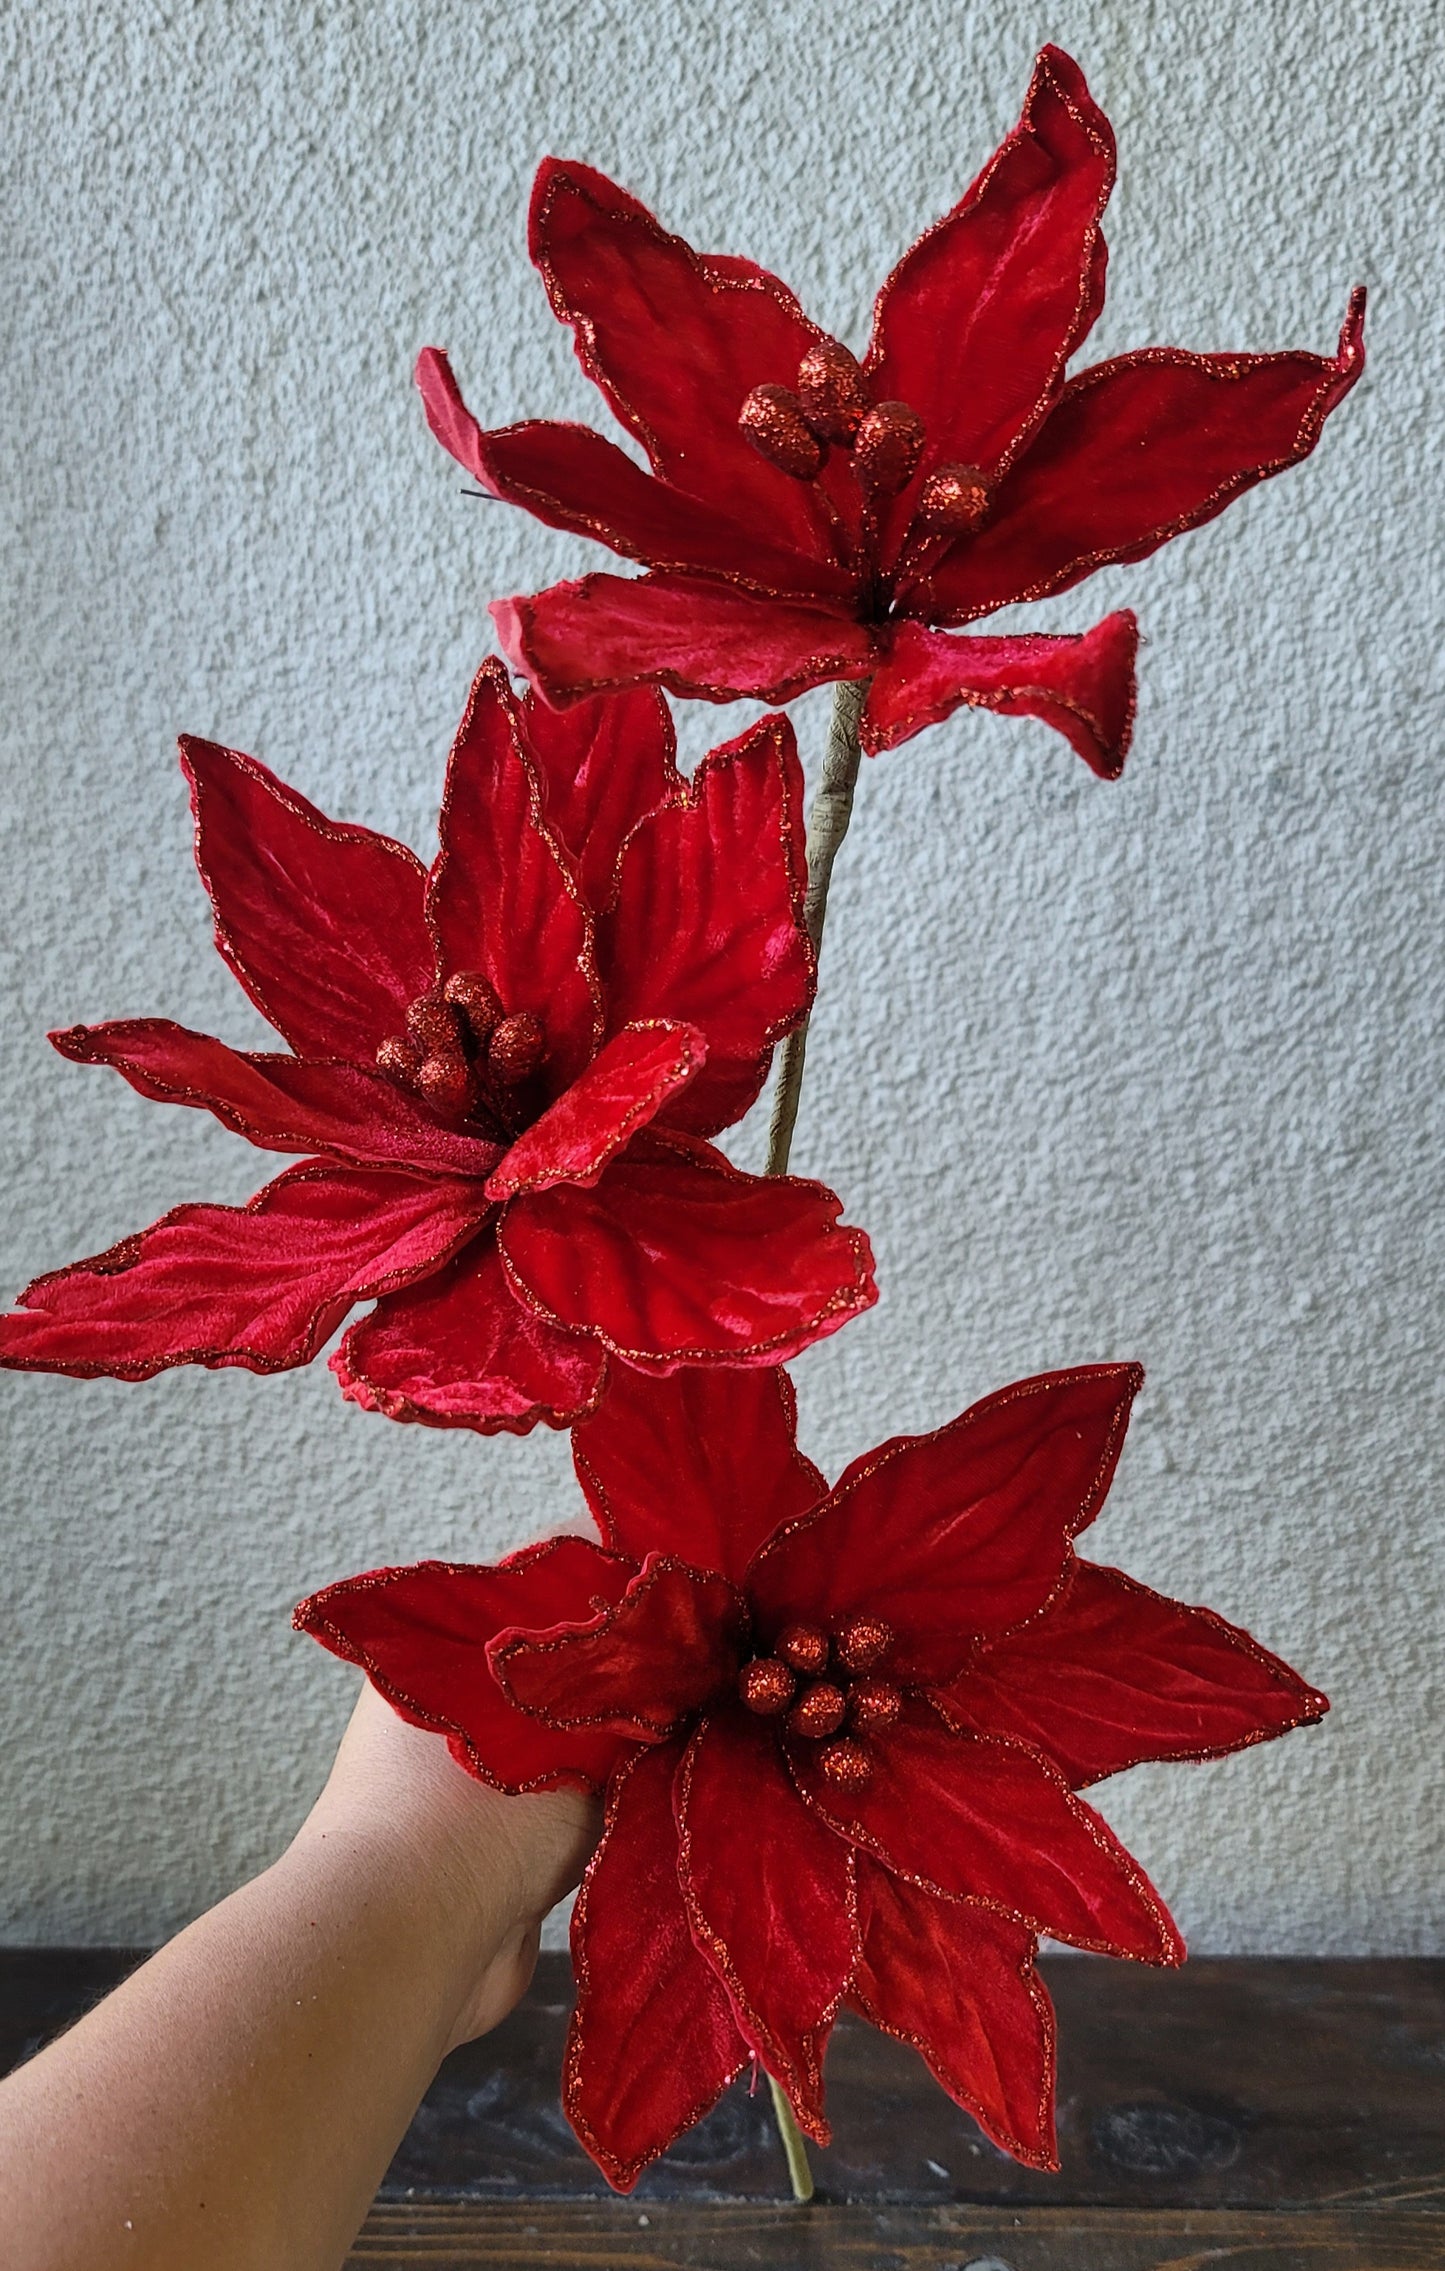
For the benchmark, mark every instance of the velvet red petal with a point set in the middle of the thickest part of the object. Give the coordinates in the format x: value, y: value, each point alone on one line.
x: 653, y: 2042
x: 280, y: 1103
x: 460, y: 1350
x: 633, y: 1077
x: 771, y: 1895
x: 502, y: 897
x: 959, y: 1982
x: 977, y: 321
x: 679, y: 1258
x: 675, y: 342
x: 960, y: 1532
x: 705, y: 1461
x: 420, y: 1634
x: 1112, y: 1674
x: 982, y: 1819
x: 698, y: 637
x: 1082, y: 686
x: 572, y: 478
x: 261, y: 1286
x: 604, y: 764
x: 322, y: 924
x: 709, y: 920
x: 638, y: 1667
x: 1133, y: 453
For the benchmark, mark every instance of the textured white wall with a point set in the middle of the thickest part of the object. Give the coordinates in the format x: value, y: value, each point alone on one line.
x: 1135, y: 1070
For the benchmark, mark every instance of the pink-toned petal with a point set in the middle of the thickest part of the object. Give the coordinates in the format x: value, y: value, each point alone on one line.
x: 321, y: 923
x: 957, y: 1533
x: 281, y: 1103
x: 605, y: 763
x: 572, y: 478
x: 1083, y: 686
x: 977, y: 321
x: 771, y: 1895
x: 960, y: 1983
x: 679, y: 1258
x: 653, y: 2042
x: 420, y: 1634
x: 708, y: 923
x: 502, y: 896
x: 709, y: 1456
x: 1112, y: 1674
x: 1135, y: 452
x: 638, y: 1667
x: 261, y: 1286
x: 977, y: 1818
x: 698, y: 637
x: 676, y: 342
x: 460, y: 1350
x: 634, y: 1076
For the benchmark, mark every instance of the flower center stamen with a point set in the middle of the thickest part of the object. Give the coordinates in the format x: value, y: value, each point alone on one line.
x: 840, y: 1685
x: 461, y: 1051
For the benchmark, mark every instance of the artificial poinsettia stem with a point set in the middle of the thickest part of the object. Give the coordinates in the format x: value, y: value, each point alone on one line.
x: 827, y: 826
x: 793, y: 2145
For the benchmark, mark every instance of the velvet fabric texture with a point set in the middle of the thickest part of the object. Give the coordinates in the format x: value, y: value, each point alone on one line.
x: 504, y: 1073
x: 806, y: 519
x: 841, y: 1735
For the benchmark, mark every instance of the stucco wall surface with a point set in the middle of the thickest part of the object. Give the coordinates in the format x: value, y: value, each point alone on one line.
x: 1148, y: 1069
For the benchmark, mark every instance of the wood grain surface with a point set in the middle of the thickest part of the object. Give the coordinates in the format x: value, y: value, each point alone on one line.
x: 1270, y: 2115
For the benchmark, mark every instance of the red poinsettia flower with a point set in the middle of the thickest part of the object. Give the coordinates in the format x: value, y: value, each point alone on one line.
x: 840, y: 1733
x: 808, y: 518
x: 505, y: 1072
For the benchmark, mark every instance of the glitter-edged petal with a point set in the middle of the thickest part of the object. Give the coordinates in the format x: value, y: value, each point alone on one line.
x: 1082, y: 686
x: 677, y: 1257
x: 420, y: 1634
x: 321, y: 923
x: 261, y: 1286
x: 638, y: 1667
x: 460, y: 1350
x: 708, y: 920
x: 633, y: 1078
x: 653, y: 2042
x: 1112, y: 1674
x: 604, y: 763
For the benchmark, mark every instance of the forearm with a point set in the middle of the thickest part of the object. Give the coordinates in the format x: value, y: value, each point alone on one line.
x: 236, y: 2102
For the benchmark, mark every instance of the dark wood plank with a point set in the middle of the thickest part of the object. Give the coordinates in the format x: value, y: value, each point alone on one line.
x: 1242, y: 2084
x: 674, y: 2236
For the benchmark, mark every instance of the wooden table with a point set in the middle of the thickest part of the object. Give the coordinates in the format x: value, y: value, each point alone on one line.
x: 1235, y: 2116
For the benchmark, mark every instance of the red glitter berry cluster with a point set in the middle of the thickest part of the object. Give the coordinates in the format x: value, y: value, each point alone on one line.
x: 462, y: 1052
x: 824, y: 1682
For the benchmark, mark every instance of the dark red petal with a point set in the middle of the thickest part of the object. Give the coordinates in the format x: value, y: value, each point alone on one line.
x: 709, y: 1457
x: 261, y: 1285
x: 638, y: 1667
x: 696, y: 636
x: 322, y: 924
x: 604, y: 764
x: 708, y: 923
x: 633, y: 1077
x: 1136, y: 451
x: 960, y: 1532
x: 977, y: 321
x: 677, y: 1257
x: 653, y: 2043
x: 281, y: 1103
x: 1112, y: 1674
x: 420, y: 1634
x: 460, y: 1350
x: 502, y: 897
x: 676, y: 342
x: 1082, y: 686
x: 959, y: 1982
x: 983, y: 1819
x: 572, y: 478
x: 770, y: 1892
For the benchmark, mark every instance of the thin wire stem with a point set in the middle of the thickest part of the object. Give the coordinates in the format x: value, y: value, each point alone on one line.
x: 827, y: 826
x: 793, y: 2145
